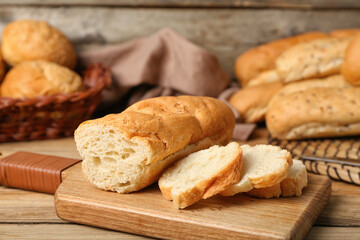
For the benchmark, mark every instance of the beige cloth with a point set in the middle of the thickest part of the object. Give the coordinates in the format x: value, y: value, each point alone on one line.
x: 164, y: 60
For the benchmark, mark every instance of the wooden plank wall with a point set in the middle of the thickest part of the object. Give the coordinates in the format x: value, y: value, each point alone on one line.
x: 225, y: 28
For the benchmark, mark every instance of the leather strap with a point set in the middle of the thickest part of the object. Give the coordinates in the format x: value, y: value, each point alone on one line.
x: 35, y: 172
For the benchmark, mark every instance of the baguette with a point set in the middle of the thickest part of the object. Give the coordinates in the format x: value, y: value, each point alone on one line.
x: 201, y: 174
x: 268, y: 76
x: 263, y: 166
x: 316, y: 112
x: 252, y: 102
x: 343, y: 33
x: 292, y: 185
x: 128, y: 151
x: 334, y: 81
x: 262, y: 58
x: 316, y: 58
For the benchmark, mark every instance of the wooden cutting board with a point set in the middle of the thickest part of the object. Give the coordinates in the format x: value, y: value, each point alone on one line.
x: 147, y: 213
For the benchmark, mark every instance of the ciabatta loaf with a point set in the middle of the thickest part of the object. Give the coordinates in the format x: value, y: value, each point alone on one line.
x: 292, y: 185
x: 128, y: 151
x: 316, y: 58
x: 263, y: 166
x: 201, y: 174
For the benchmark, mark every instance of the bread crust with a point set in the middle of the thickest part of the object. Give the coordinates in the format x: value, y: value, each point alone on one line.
x: 262, y: 58
x: 252, y: 102
x: 28, y: 40
x: 350, y: 69
x: 39, y: 78
x: 317, y: 112
x: 268, y: 76
x: 316, y: 58
x: 169, y: 128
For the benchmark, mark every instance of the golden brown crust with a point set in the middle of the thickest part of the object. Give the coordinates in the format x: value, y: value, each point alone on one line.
x: 262, y: 58
x: 350, y: 69
x: 343, y: 33
x: 39, y: 78
x: 318, y: 112
x: 27, y: 40
x: 252, y: 102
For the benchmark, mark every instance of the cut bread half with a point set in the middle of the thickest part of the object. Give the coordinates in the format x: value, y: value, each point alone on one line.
x: 202, y: 174
x: 263, y: 166
x: 291, y: 186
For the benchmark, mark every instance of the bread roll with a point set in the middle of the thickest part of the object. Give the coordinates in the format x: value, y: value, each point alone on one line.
x: 128, y: 151
x: 316, y: 112
x: 351, y: 66
x: 2, y: 67
x: 292, y: 185
x: 202, y: 174
x: 262, y: 58
x: 39, y: 78
x: 28, y: 40
x: 252, y: 102
x: 263, y: 166
x: 316, y: 58
x: 343, y: 33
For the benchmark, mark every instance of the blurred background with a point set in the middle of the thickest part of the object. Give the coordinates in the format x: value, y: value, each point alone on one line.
x: 225, y: 28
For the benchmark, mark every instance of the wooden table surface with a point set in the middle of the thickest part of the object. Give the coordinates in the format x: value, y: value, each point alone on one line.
x: 31, y: 215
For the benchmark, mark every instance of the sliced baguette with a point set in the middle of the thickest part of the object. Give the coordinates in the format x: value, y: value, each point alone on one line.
x: 291, y: 186
x: 202, y: 174
x: 263, y: 166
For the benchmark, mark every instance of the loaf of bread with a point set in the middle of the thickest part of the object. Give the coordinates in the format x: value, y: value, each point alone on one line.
x: 128, y: 151
x: 350, y: 69
x: 262, y: 58
x: 295, y: 181
x: 268, y: 76
x: 2, y: 67
x: 252, y: 102
x: 28, y: 40
x: 39, y: 78
x: 334, y: 81
x: 263, y: 166
x: 343, y: 33
x: 316, y: 112
x: 202, y: 174
x: 316, y: 58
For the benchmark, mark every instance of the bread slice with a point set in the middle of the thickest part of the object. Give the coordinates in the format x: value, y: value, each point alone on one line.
x: 263, y: 166
x: 291, y: 186
x: 202, y: 174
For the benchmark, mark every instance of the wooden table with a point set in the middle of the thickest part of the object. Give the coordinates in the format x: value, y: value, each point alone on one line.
x: 31, y: 215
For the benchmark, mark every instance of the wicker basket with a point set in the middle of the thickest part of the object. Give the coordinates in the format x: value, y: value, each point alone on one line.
x: 52, y: 116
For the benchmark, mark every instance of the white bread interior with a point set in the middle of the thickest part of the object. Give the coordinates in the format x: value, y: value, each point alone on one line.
x: 263, y: 166
x: 295, y: 181
x: 201, y: 174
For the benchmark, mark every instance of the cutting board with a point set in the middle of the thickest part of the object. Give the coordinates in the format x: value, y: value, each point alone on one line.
x: 147, y: 213
x: 338, y: 158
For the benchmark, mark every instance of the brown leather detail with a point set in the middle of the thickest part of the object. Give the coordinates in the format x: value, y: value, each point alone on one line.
x: 35, y: 172
x: 52, y: 116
